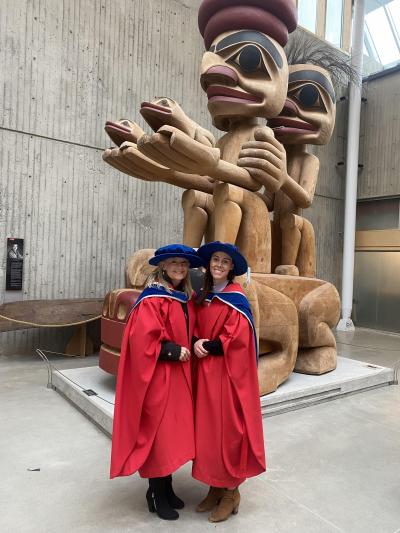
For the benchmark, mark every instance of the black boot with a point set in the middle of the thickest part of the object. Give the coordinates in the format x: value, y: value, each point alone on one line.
x: 157, y: 499
x: 172, y: 498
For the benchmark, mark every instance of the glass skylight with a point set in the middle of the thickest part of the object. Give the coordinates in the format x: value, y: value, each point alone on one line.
x: 307, y: 10
x: 381, y: 36
x: 334, y: 22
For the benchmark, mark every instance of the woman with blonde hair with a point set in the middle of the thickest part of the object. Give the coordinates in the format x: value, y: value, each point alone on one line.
x: 153, y: 429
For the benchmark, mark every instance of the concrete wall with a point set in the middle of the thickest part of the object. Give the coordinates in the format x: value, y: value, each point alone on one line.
x: 327, y: 211
x: 380, y: 137
x: 66, y: 67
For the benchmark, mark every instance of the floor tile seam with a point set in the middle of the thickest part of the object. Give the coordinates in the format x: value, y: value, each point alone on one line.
x: 277, y: 488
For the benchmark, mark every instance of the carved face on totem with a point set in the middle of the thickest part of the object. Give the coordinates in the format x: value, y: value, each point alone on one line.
x: 245, y: 74
x: 308, y: 116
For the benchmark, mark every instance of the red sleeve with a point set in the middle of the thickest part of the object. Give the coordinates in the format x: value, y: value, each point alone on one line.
x: 140, y: 349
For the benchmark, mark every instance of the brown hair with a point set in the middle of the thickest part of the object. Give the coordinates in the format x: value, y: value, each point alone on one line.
x: 208, y: 284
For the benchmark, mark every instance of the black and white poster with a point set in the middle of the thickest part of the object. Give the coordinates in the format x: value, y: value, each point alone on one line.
x: 15, y: 264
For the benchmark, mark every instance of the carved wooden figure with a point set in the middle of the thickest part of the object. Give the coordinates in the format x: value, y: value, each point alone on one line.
x: 308, y: 117
x: 198, y: 206
x: 128, y: 159
x: 245, y: 74
x: 197, y: 201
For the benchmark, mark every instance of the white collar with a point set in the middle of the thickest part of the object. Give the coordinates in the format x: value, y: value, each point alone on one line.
x: 219, y: 287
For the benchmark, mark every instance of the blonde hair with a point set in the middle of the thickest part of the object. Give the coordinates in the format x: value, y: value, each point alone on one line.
x: 157, y: 278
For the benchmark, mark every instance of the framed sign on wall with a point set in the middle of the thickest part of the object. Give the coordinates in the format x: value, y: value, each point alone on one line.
x: 15, y: 264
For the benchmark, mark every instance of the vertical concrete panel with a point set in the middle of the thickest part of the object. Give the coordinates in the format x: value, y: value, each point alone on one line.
x: 68, y: 66
x: 326, y: 215
x: 380, y: 137
x: 332, y: 157
x: 327, y: 211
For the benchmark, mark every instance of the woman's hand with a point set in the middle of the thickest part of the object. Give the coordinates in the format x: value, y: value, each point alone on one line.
x: 185, y: 354
x: 199, y: 350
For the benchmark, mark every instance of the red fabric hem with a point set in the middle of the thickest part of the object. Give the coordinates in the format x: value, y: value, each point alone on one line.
x: 213, y: 482
x: 166, y: 470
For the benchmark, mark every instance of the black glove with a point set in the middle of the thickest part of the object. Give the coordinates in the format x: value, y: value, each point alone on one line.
x: 214, y: 347
x: 169, y: 351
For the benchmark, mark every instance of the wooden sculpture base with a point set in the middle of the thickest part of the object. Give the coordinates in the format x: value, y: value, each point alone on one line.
x: 317, y: 305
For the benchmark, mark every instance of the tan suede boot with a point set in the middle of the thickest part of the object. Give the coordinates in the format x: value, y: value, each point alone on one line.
x: 211, y: 500
x: 228, y: 505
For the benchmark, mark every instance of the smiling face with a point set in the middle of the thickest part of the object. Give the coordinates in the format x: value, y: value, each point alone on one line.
x: 308, y: 116
x: 244, y: 74
x: 220, y: 266
x: 176, y: 268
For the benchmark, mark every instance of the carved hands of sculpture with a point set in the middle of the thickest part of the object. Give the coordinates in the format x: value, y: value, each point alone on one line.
x: 265, y: 160
x: 176, y: 150
x: 129, y: 160
x: 126, y: 157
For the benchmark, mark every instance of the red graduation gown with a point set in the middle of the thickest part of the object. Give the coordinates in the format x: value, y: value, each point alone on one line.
x: 153, y: 430
x: 228, y: 423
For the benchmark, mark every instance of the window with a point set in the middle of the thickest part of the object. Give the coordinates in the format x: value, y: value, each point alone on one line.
x: 378, y: 214
x: 328, y: 19
x: 308, y: 14
x: 382, y: 35
x: 380, y: 31
x: 334, y: 22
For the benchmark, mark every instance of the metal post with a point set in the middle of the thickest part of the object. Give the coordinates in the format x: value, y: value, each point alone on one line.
x: 353, y: 142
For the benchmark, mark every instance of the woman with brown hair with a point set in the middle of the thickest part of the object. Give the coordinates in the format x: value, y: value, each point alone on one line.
x: 228, y: 424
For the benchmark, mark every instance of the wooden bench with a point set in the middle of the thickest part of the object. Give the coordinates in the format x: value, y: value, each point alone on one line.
x: 28, y: 314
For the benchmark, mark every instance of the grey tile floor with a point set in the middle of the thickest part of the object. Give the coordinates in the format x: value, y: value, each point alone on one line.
x: 332, y: 467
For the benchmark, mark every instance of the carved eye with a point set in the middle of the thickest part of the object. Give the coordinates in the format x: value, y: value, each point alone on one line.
x: 307, y: 96
x: 249, y: 59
